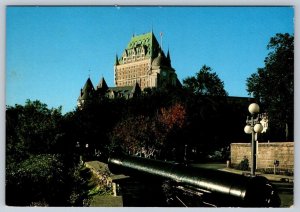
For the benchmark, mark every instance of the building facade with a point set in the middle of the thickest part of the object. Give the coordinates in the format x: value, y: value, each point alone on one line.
x: 144, y: 62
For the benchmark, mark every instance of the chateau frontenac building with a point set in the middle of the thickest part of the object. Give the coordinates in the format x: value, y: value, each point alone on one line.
x: 143, y: 64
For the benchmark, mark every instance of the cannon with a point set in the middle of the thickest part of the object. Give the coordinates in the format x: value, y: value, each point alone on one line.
x: 209, y: 187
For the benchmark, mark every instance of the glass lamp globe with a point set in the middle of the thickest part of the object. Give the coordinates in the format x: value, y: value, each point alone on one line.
x: 253, y: 108
x: 248, y: 129
x: 258, y: 128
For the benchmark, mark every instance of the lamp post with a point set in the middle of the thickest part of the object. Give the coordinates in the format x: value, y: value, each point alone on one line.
x: 253, y: 126
x: 185, y: 154
x: 78, y: 151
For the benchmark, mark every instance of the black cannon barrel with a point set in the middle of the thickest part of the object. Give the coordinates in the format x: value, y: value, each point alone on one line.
x: 243, y: 191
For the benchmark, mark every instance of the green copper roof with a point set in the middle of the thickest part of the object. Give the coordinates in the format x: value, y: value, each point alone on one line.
x: 144, y: 39
x: 148, y: 41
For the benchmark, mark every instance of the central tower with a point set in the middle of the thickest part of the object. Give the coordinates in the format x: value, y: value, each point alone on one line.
x: 144, y: 62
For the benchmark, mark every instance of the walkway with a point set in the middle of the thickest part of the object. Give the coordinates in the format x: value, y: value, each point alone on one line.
x: 271, y: 177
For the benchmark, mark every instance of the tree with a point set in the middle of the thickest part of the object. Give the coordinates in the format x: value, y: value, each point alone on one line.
x: 172, y: 117
x: 44, y: 180
x: 205, y: 82
x: 32, y: 180
x: 31, y: 129
x: 172, y: 123
x: 273, y: 86
x: 205, y: 129
x: 146, y: 135
x: 136, y: 135
x: 38, y: 172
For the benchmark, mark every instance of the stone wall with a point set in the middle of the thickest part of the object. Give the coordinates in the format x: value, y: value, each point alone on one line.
x: 266, y: 154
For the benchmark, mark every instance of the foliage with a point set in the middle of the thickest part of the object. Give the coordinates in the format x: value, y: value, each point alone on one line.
x: 91, y: 126
x: 168, y: 120
x: 205, y: 123
x: 172, y: 117
x: 205, y: 82
x: 27, y: 180
x: 146, y: 135
x: 273, y: 85
x: 77, y: 187
x: 32, y: 128
x: 136, y: 135
x: 43, y: 180
x: 38, y: 172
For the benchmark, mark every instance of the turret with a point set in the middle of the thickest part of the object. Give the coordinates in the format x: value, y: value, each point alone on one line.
x: 86, y: 93
x: 101, y: 87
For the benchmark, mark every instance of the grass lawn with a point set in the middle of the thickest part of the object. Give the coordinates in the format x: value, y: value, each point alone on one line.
x: 106, y: 201
x: 287, y: 200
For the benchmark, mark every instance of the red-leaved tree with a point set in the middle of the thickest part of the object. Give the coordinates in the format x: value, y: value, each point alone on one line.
x: 146, y: 136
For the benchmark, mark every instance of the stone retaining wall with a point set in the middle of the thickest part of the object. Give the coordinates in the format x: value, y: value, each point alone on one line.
x: 267, y: 153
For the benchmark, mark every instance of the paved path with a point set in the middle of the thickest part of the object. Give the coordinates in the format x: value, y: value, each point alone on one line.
x: 271, y: 177
x: 222, y: 167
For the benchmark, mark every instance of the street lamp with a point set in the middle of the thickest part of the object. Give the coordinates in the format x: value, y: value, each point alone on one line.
x: 185, y: 154
x: 78, y: 151
x: 253, y: 126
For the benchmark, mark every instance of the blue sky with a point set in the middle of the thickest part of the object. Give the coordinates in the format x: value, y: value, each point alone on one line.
x: 50, y: 50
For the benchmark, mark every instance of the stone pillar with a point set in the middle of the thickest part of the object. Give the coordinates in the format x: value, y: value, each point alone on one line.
x: 115, y: 187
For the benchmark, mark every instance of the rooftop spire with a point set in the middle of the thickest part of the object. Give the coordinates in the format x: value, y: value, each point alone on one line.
x: 102, y: 84
x: 117, y: 60
x: 168, y: 58
x: 87, y: 91
x: 88, y: 86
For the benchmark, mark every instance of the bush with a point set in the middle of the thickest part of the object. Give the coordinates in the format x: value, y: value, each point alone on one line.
x: 43, y: 180
x: 244, y: 164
